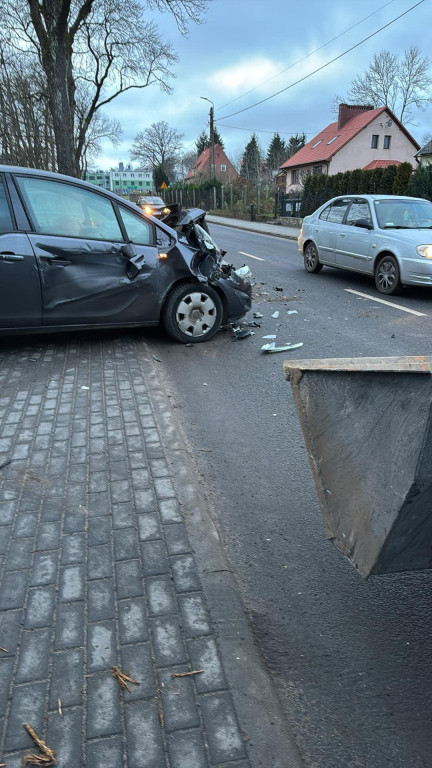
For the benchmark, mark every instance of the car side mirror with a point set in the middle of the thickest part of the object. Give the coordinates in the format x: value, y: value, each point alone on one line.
x: 363, y: 223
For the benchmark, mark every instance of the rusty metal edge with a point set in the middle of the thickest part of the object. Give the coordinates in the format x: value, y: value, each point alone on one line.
x: 293, y: 369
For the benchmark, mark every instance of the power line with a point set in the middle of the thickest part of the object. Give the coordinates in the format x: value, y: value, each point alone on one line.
x: 257, y: 130
x: 353, y: 47
x: 304, y: 57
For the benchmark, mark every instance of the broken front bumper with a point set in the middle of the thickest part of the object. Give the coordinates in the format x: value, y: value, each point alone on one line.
x: 238, y: 295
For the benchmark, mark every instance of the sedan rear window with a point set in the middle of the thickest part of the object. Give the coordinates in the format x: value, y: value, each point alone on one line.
x: 57, y: 208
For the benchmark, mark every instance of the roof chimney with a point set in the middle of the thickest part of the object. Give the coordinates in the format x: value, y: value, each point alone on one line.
x: 348, y: 111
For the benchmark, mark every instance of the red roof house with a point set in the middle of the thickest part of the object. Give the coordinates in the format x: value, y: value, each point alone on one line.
x: 362, y: 137
x: 201, y: 170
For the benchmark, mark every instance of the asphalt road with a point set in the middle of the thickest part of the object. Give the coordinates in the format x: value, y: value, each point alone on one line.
x: 351, y: 659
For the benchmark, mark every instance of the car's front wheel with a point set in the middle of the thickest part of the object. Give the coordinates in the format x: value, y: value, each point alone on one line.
x: 387, y: 277
x: 192, y: 313
x: 311, y: 259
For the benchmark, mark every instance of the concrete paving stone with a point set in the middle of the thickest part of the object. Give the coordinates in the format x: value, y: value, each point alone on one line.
x: 143, y: 735
x: 150, y: 435
x: 7, y: 512
x: 137, y: 459
x: 23, y: 451
x: 159, y: 468
x: 123, y: 515
x: 101, y: 646
x: 40, y: 607
x: 194, y: 614
x: 97, y: 482
x: 178, y: 700
x: 99, y: 564
x: 58, y: 465
x: 185, y: 573
x: 115, y: 437
x: 15, y: 760
x: 170, y: 511
x: 129, y: 578
x: 154, y: 558
x: 60, y: 448
x: 144, y: 409
x: 48, y: 536
x: 103, y: 707
x: 25, y: 524
x: 67, y: 678
x: 101, y: 600
x: 99, y: 530
x: 5, y: 534
x: 120, y: 491
x: 148, y: 526
x: 98, y: 504
x: 52, y: 510
x: 69, y: 626
x: 115, y: 425
x: 167, y: 640
x: 98, y: 430
x: 164, y: 487
x: 176, y: 538
x: 144, y: 500
x: 41, y: 443
x: 6, y: 670
x: 160, y: 596
x: 186, y: 750
x: 10, y: 630
x: 73, y: 548
x: 20, y: 554
x: 75, y: 518
x: 13, y: 590
x: 118, y: 470
x: 98, y: 445
x: 133, y: 620
x: 64, y: 736
x: 136, y: 661
x: 140, y: 478
x: 71, y: 583
x: 28, y: 704
x: 76, y: 495
x: 79, y: 439
x: 204, y: 655
x: 97, y: 462
x: 45, y: 427
x: 105, y: 753
x: 125, y: 544
x: 116, y: 453
x: 132, y: 429
x: 224, y: 736
x: 44, y: 568
x: 33, y: 655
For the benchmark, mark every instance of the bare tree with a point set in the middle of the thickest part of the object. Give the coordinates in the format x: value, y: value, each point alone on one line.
x: 159, y: 146
x: 106, y: 44
x: 399, y: 82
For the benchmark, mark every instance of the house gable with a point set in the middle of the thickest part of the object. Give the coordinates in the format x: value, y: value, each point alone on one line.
x: 224, y: 170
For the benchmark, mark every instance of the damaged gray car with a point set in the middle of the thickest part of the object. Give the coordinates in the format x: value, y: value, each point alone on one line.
x: 73, y: 256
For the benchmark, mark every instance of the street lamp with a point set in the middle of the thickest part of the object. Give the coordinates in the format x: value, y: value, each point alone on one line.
x: 212, y: 151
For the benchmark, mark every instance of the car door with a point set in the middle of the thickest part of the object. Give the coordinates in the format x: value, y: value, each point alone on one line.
x: 89, y: 273
x: 20, y: 293
x: 354, y: 245
x: 325, y: 229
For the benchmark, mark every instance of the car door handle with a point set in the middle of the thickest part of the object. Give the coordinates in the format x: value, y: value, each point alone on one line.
x: 342, y: 234
x: 9, y: 256
x: 56, y: 260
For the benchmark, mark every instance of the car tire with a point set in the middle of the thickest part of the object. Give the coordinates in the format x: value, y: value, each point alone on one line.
x: 192, y: 313
x: 387, y: 275
x: 311, y: 259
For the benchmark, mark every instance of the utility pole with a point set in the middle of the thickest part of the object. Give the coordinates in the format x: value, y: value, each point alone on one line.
x: 212, y: 145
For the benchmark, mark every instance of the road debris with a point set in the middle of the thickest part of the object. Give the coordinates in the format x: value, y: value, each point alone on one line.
x: 123, y: 679
x: 270, y: 336
x: 276, y: 288
x: 161, y: 719
x: 48, y: 755
x: 85, y: 387
x: 275, y: 314
x: 286, y: 348
x: 158, y: 360
x: 59, y: 707
x: 187, y: 674
x: 292, y: 312
x: 5, y: 650
x: 241, y: 333
x: 258, y: 314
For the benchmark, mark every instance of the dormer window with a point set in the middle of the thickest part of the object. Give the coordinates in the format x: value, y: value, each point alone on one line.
x: 333, y: 139
x: 316, y: 143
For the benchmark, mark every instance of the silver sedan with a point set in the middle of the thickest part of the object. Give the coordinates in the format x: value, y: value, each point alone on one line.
x: 385, y: 236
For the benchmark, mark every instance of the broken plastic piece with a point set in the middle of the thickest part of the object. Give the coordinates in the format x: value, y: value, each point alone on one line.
x: 252, y: 324
x: 272, y: 347
x: 275, y: 314
x: 243, y: 272
x: 270, y: 336
x: 292, y: 312
x: 258, y: 314
x: 242, y: 333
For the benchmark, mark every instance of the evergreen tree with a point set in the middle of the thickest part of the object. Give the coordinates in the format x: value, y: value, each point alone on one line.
x: 276, y: 153
x: 160, y: 176
x: 420, y: 183
x: 403, y: 174
x: 376, y: 181
x: 295, y: 143
x: 203, y: 140
x: 251, y: 161
x: 387, y: 180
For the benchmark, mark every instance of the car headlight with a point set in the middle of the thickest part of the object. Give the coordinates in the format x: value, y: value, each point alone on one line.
x: 166, y: 210
x: 147, y: 209
x: 425, y: 251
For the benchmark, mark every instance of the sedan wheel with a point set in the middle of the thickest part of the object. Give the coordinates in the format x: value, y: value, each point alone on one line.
x: 387, y: 279
x: 192, y: 313
x: 311, y: 259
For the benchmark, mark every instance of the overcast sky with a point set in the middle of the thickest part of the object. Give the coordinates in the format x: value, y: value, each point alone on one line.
x: 248, y: 50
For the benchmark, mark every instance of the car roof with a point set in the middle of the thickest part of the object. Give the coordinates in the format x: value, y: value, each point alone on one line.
x: 368, y: 196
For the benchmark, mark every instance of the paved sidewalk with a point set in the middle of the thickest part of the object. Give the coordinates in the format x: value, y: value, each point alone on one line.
x: 264, y: 228
x: 108, y: 557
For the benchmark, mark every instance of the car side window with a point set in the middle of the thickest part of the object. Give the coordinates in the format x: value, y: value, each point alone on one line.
x: 337, y: 211
x: 324, y: 214
x: 139, y: 231
x: 359, y: 209
x: 58, y: 208
x: 5, y: 216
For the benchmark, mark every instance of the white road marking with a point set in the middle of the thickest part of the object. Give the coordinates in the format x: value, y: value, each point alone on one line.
x: 388, y: 303
x: 250, y: 256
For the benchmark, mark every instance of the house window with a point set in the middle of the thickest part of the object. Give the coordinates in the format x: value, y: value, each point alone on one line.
x: 375, y: 138
x: 223, y: 167
x: 316, y: 143
x: 295, y: 176
x: 333, y: 139
x: 387, y: 140
x: 317, y: 171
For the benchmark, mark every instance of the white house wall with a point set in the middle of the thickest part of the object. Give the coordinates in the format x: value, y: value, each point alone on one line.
x: 358, y: 152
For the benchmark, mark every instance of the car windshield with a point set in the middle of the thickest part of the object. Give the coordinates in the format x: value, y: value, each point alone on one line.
x: 152, y: 201
x: 404, y: 214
